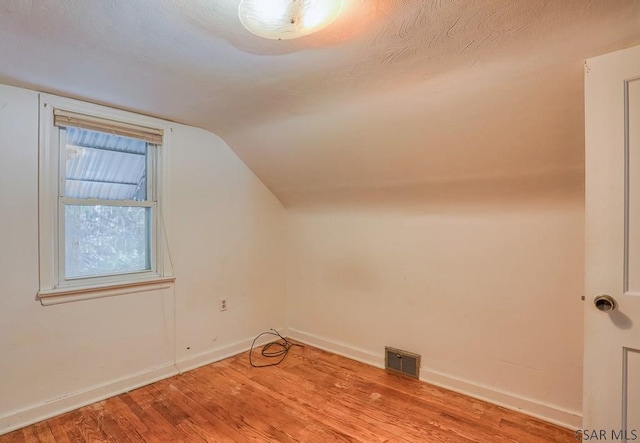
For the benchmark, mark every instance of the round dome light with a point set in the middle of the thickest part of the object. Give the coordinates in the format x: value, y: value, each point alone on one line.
x: 287, y: 19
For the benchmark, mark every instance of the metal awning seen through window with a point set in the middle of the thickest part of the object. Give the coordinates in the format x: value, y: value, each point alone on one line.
x: 105, y: 166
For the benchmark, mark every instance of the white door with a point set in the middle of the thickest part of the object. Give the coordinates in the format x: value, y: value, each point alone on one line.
x: 611, y: 405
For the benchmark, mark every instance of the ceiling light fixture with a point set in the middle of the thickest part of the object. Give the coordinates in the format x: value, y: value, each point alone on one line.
x: 287, y: 19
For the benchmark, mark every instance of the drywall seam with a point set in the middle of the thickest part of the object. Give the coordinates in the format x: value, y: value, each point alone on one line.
x: 42, y: 411
x: 534, y: 408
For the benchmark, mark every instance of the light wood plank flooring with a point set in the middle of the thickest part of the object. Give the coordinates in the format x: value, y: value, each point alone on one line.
x: 313, y: 396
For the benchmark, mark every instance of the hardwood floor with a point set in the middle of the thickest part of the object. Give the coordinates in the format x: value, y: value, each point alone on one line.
x: 313, y: 396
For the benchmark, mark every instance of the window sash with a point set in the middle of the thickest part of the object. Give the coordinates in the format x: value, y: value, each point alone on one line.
x: 151, y: 180
x: 64, y: 281
x: 151, y: 172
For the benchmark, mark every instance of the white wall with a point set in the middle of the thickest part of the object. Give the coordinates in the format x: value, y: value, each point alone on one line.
x: 487, y: 292
x: 226, y: 238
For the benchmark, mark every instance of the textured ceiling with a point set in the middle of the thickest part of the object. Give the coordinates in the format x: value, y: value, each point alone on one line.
x: 397, y: 100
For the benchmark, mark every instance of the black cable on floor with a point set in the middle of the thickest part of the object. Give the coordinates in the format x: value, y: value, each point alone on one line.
x: 273, y: 349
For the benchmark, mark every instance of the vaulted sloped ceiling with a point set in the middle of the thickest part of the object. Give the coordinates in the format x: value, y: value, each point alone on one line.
x: 396, y: 101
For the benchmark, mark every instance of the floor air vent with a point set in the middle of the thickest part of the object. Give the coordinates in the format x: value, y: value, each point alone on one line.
x: 404, y: 362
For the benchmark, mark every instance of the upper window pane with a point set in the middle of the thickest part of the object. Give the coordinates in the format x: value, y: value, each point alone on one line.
x: 105, y: 166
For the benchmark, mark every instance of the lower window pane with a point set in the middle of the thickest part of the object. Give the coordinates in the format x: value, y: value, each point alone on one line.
x: 104, y: 240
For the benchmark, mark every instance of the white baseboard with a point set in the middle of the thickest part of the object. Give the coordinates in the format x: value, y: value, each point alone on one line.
x: 33, y: 414
x: 49, y: 409
x: 553, y: 414
x: 336, y: 347
x: 227, y: 351
x: 568, y: 419
x: 550, y: 413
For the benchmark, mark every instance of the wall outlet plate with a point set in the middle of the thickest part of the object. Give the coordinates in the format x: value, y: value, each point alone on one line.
x: 223, y: 304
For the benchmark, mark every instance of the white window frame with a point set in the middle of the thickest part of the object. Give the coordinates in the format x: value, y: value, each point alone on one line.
x: 54, y: 287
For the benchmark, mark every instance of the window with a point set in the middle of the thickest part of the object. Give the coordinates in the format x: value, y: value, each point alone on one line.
x: 107, y: 204
x: 100, y: 203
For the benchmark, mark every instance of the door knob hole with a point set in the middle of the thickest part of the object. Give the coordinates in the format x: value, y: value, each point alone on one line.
x: 604, y: 303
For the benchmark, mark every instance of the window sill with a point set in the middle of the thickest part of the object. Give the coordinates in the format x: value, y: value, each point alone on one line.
x: 66, y: 295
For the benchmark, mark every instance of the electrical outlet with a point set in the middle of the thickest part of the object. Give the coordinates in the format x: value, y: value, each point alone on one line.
x: 223, y: 304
